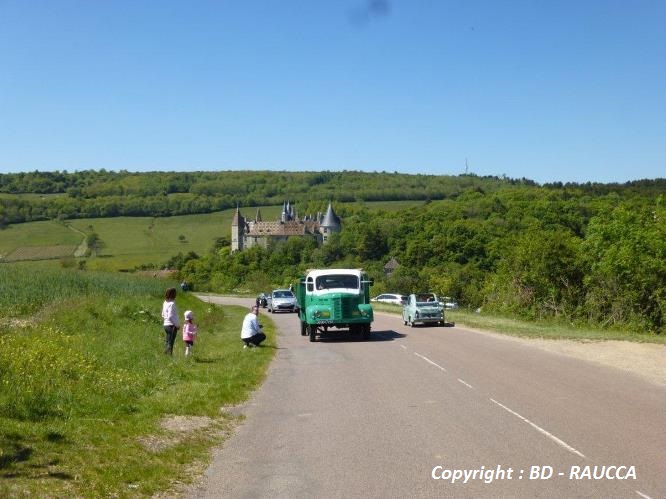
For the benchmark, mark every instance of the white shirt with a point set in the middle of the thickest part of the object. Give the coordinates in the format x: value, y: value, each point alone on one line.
x: 170, y: 314
x: 250, y: 326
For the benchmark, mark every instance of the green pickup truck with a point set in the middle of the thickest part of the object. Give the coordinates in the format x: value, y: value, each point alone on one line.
x: 334, y: 298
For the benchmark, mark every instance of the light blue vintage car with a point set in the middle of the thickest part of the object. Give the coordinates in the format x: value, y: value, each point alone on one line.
x: 423, y: 308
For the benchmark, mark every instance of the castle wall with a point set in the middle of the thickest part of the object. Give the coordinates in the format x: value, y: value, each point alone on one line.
x: 246, y: 234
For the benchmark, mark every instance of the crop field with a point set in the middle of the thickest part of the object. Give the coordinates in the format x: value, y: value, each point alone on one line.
x: 128, y: 242
x: 40, y: 253
x: 27, y: 287
x: 37, y: 234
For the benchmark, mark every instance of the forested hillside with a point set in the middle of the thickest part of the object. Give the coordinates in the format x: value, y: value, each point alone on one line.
x: 100, y: 194
x: 528, y: 252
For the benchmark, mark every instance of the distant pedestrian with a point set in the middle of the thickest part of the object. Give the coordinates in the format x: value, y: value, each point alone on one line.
x: 251, y: 332
x: 184, y: 286
x: 170, y: 319
x: 189, y: 332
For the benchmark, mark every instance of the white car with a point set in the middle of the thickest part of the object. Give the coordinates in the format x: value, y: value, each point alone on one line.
x: 281, y: 300
x: 449, y: 303
x: 390, y: 298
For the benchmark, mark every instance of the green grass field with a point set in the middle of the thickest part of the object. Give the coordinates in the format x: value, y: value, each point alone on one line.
x: 87, y: 395
x: 37, y: 234
x: 127, y: 241
x: 132, y: 241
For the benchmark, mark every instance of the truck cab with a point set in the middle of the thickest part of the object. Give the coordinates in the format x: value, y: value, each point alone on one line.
x: 335, y: 298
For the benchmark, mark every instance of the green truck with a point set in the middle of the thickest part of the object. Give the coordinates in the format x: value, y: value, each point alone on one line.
x: 334, y: 298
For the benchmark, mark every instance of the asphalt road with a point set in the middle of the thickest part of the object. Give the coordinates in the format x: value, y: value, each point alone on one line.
x: 347, y: 418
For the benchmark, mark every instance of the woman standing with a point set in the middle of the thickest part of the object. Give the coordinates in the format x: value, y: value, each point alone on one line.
x: 170, y: 316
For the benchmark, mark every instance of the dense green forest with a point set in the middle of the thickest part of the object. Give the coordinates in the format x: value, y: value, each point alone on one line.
x: 32, y: 196
x: 584, y: 253
x: 100, y: 194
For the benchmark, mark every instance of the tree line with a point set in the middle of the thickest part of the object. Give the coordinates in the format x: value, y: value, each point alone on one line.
x: 32, y: 196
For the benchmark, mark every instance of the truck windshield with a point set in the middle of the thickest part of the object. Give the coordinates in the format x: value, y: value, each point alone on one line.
x: 337, y: 281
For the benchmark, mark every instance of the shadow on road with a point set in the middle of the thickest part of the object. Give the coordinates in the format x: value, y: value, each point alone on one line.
x: 446, y: 324
x: 344, y: 336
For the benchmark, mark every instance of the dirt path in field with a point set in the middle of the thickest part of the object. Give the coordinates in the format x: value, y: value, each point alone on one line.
x: 81, y: 249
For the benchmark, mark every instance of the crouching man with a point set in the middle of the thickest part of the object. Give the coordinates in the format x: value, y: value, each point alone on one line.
x: 251, y: 333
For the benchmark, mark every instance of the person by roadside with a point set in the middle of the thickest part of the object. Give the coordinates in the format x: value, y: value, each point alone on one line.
x: 251, y: 332
x: 170, y: 320
x: 189, y: 332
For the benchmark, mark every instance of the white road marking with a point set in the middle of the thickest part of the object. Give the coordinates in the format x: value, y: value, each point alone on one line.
x: 642, y: 495
x: 466, y: 384
x: 541, y: 430
x: 429, y: 361
x: 403, y: 346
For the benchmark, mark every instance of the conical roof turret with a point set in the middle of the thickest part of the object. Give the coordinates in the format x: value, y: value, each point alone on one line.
x: 330, y: 219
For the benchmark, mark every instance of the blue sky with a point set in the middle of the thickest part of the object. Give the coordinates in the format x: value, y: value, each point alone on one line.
x: 547, y: 90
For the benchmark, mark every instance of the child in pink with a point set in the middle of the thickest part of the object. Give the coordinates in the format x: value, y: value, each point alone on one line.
x: 189, y: 332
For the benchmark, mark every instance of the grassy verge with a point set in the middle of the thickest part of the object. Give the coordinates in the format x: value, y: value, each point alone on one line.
x: 526, y: 329
x: 86, y: 392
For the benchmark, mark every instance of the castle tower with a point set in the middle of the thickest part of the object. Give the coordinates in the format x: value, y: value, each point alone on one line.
x: 237, y: 231
x: 329, y: 224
